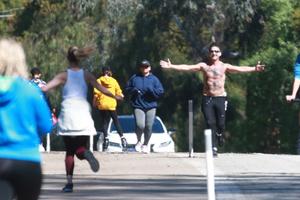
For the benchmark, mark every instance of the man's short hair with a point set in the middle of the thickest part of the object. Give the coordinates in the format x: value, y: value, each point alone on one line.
x: 214, y: 44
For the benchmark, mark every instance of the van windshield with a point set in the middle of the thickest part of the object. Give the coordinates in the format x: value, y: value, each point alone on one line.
x: 128, y: 126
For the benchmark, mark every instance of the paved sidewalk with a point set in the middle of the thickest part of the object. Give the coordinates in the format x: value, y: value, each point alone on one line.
x: 128, y: 176
x: 174, y: 176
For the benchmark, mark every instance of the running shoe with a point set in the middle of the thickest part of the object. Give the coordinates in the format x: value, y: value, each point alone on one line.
x: 145, y: 149
x: 215, y: 152
x: 220, y: 139
x: 124, y: 142
x: 105, y: 144
x: 94, y: 164
x: 138, y: 147
x: 41, y: 148
x: 68, y: 187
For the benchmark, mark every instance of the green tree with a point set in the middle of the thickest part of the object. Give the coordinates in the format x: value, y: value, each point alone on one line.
x: 8, y: 13
x: 271, y: 124
x: 123, y: 32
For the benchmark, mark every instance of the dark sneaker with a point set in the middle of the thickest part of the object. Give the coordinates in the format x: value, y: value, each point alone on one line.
x: 124, y: 143
x: 105, y: 144
x: 220, y: 139
x: 68, y: 187
x: 92, y: 160
x: 215, y: 152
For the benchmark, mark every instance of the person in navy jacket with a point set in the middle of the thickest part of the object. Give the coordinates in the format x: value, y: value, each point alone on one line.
x: 145, y: 89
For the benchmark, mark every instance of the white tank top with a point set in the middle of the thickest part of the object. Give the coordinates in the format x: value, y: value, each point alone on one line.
x: 75, y: 86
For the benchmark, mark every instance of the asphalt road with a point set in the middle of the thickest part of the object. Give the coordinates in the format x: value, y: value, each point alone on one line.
x: 175, y: 176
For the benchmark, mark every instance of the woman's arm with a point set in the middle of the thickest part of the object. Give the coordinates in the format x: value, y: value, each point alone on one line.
x: 131, y: 88
x: 93, y: 81
x: 156, y: 90
x: 118, y: 89
x: 59, y: 79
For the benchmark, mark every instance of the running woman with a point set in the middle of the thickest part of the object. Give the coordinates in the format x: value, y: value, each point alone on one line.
x: 107, y: 105
x: 75, y: 123
x: 145, y: 90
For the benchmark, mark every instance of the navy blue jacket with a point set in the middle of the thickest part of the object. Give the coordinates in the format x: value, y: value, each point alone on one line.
x: 144, y: 91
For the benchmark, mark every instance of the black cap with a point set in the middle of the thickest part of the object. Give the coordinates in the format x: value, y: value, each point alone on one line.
x: 145, y: 63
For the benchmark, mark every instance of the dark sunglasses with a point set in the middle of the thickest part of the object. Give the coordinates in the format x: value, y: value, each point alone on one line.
x: 214, y: 51
x: 144, y: 66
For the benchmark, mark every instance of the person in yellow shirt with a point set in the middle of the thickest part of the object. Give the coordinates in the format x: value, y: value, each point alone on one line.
x: 107, y: 105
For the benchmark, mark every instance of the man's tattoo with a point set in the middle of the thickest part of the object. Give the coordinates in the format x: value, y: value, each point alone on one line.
x: 215, y: 72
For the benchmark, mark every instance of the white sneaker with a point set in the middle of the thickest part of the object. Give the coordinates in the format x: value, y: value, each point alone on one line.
x: 138, y: 147
x: 215, y: 152
x: 41, y: 148
x: 145, y: 149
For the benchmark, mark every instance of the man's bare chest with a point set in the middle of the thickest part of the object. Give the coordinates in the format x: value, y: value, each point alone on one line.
x: 214, y: 71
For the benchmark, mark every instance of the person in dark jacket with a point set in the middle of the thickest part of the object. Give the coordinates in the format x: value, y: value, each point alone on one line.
x: 145, y: 89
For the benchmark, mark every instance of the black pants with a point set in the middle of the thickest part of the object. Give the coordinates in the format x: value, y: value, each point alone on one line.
x: 23, y: 178
x: 105, y: 117
x: 214, y: 111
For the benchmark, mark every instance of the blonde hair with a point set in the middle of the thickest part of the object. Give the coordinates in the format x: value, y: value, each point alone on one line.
x: 12, y: 59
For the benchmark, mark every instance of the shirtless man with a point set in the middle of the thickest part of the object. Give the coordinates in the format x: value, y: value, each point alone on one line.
x: 214, y: 101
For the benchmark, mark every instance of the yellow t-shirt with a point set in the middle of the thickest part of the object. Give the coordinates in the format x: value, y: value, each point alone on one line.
x: 104, y: 102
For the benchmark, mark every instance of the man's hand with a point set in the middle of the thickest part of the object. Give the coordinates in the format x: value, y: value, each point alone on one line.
x: 165, y: 64
x: 259, y: 67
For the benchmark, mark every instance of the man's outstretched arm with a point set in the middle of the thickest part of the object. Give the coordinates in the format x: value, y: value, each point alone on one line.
x: 243, y: 69
x: 182, y: 67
